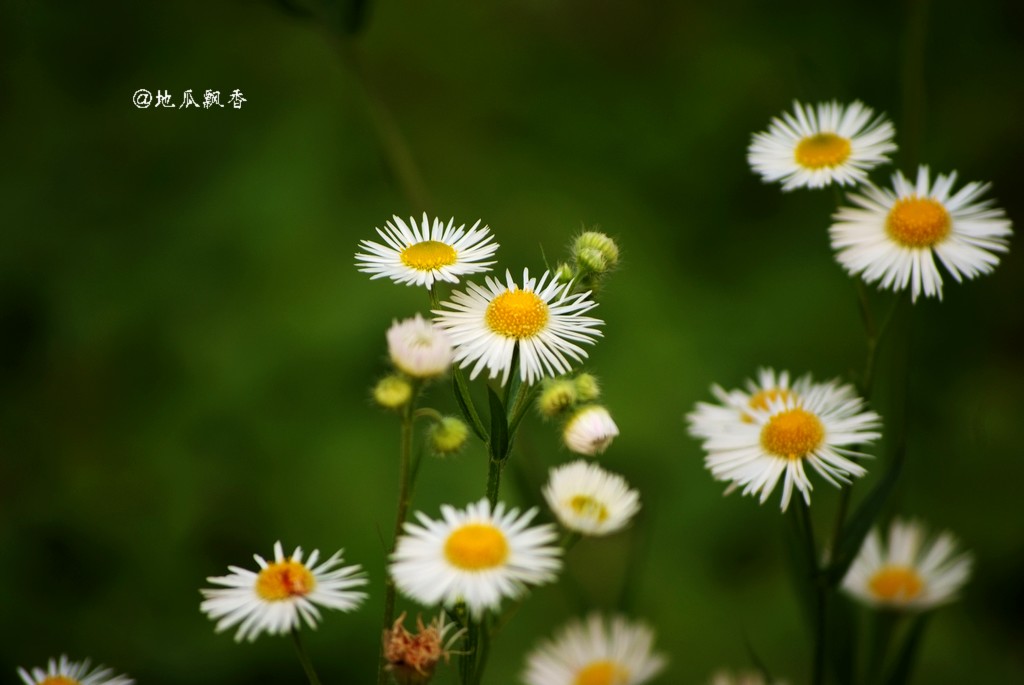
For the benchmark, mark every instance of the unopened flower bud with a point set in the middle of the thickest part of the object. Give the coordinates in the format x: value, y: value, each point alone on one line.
x: 596, y: 247
x: 556, y: 396
x: 392, y: 392
x: 448, y: 435
x: 419, y: 348
x: 587, y: 387
x: 591, y: 260
x: 564, y: 273
x: 590, y: 430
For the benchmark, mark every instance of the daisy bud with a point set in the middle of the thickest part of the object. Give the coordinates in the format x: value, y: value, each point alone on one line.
x: 590, y: 431
x: 591, y: 260
x: 448, y: 435
x: 418, y: 348
x: 392, y: 392
x: 565, y: 273
x: 556, y: 396
x: 587, y: 387
x: 596, y: 247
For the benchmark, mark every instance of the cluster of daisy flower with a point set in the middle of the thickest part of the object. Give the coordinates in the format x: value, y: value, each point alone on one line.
x: 891, y: 235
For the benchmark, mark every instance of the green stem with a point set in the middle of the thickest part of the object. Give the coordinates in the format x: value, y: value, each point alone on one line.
x: 307, y: 665
x: 883, y: 625
x: 402, y: 512
x: 820, y: 594
x: 913, y: 83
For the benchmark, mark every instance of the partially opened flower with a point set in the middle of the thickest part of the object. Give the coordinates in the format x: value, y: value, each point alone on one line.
x: 542, y: 319
x: 893, y: 237
x: 590, y: 430
x: 596, y: 652
x: 813, y: 147
x: 909, y: 572
x: 477, y: 556
x: 589, y: 500
x: 428, y: 252
x: 65, y: 672
x: 419, y: 348
x: 819, y: 427
x: 283, y: 591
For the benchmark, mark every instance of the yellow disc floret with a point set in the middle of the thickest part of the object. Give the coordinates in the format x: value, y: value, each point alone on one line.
x: 792, y: 434
x: 763, y: 398
x: 899, y: 583
x: 917, y: 222
x: 517, y: 314
x: 589, y: 507
x: 822, y: 150
x: 284, y: 580
x: 476, y: 546
x: 428, y: 255
x: 602, y: 673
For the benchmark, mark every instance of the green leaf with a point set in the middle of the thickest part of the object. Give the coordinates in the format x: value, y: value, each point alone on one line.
x: 498, y: 443
x: 466, y: 406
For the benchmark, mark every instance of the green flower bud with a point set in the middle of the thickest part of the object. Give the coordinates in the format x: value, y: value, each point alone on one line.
x: 556, y: 396
x: 448, y: 435
x: 392, y: 392
x: 589, y: 244
x: 565, y: 273
x: 587, y: 387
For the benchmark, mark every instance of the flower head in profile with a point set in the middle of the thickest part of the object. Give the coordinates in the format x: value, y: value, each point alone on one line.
x: 894, y: 236
x: 590, y: 430
x: 65, y: 672
x: 542, y: 319
x: 596, y: 652
x: 419, y: 348
x: 816, y: 427
x: 283, y: 591
x: 589, y: 500
x: 909, y: 572
x: 813, y: 147
x: 422, y: 254
x: 476, y: 555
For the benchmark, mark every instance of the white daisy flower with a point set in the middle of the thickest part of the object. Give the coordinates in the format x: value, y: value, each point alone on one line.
x: 894, y: 236
x: 419, y: 348
x: 908, y: 573
x: 542, y: 318
x: 66, y: 672
x: 817, y: 428
x: 425, y: 253
x: 596, y: 652
x: 590, y: 430
x: 589, y: 500
x: 815, y: 147
x: 710, y: 419
x: 474, y: 556
x: 273, y: 599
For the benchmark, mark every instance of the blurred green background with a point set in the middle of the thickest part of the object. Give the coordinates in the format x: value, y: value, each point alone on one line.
x: 187, y: 347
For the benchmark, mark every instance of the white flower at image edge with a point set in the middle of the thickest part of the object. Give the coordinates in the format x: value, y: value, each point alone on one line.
x: 907, y: 573
x: 813, y: 147
x: 283, y: 591
x: 419, y: 348
x: 589, y: 431
x: 596, y: 652
x: 542, y: 319
x: 66, y: 672
x: 474, y: 556
x: 420, y: 255
x: 893, y: 237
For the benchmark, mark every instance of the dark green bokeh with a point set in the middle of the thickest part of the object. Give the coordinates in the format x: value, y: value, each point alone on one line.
x: 187, y: 347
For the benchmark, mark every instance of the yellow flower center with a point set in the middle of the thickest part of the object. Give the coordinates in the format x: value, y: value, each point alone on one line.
x: 822, y: 150
x: 896, y: 582
x: 517, y: 314
x: 602, y: 673
x: 792, y: 434
x: 587, y: 506
x: 283, y: 580
x: 428, y: 255
x: 476, y: 546
x: 917, y: 222
x: 762, y: 398
x: 58, y: 680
